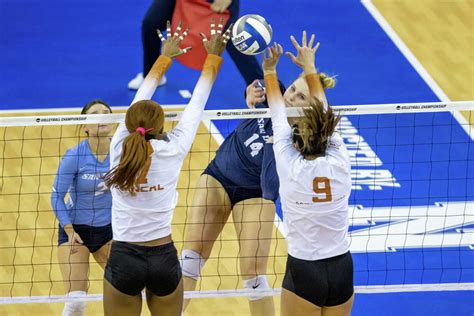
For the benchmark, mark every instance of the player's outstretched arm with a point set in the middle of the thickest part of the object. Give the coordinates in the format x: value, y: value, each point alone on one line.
x: 169, y: 51
x: 274, y: 96
x: 214, y: 45
x: 282, y: 140
x: 305, y: 59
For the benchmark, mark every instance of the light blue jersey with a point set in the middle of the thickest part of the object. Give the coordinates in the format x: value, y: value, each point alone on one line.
x: 80, y: 175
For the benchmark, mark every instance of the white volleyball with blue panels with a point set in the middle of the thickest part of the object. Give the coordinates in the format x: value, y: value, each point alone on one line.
x: 251, y: 34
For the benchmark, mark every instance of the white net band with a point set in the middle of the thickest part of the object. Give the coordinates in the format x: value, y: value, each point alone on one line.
x: 367, y: 109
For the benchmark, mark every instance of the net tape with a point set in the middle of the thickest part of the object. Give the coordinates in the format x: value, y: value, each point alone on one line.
x: 393, y: 108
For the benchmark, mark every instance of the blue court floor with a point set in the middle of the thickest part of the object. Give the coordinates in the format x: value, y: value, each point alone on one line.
x: 61, y: 54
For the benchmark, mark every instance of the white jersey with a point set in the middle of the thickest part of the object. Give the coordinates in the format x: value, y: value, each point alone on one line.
x: 314, y: 193
x: 147, y: 215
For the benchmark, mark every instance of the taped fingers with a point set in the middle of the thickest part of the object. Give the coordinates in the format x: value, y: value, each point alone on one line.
x: 162, y: 38
x: 168, y: 29
x: 213, y: 27
x: 182, y: 36
x: 178, y: 29
x: 220, y: 26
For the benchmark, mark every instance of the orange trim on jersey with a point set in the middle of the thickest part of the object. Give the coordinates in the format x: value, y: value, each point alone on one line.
x: 312, y: 81
x: 211, y: 66
x: 149, y: 151
x: 160, y: 66
x: 272, y: 87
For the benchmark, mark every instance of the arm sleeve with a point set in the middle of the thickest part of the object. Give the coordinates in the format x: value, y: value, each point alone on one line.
x: 63, y: 181
x: 337, y: 149
x: 186, y: 129
x: 268, y: 177
x: 282, y: 137
x: 316, y: 88
x: 145, y: 92
x: 149, y: 85
x: 281, y: 128
x: 116, y: 144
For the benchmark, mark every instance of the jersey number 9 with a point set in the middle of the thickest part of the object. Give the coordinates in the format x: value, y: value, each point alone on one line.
x: 322, y: 185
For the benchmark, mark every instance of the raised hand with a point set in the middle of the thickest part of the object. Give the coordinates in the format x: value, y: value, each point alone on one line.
x: 305, y: 52
x: 216, y: 43
x: 270, y: 62
x: 171, y: 42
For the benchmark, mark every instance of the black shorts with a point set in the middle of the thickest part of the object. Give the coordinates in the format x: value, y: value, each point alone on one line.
x: 235, y: 192
x: 326, y: 282
x: 131, y: 268
x: 93, y: 237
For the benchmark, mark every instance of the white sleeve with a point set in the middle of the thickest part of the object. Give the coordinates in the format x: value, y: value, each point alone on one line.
x: 281, y: 128
x: 285, y: 152
x: 145, y: 92
x: 152, y: 80
x: 337, y: 149
x: 186, y: 129
x: 116, y: 144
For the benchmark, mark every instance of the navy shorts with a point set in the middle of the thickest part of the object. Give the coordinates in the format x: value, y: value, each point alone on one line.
x: 235, y: 192
x: 326, y: 282
x: 131, y: 268
x: 93, y: 237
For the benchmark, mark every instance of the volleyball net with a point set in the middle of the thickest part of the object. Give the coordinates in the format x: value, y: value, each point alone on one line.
x: 411, y: 207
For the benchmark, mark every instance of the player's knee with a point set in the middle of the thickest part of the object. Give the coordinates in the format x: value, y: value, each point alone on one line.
x: 257, y: 284
x: 191, y: 263
x: 75, y: 308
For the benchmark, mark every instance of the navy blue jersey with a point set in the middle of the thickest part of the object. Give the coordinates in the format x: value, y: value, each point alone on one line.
x: 246, y: 159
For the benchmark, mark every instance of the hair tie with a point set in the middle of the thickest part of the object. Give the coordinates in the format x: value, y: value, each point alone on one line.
x: 143, y: 131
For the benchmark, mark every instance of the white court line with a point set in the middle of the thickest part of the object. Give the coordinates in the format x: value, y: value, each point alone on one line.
x: 414, y: 62
x: 185, y: 94
x: 369, y: 289
x: 216, y: 134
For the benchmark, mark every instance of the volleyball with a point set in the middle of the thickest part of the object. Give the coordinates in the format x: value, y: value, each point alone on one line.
x: 251, y: 34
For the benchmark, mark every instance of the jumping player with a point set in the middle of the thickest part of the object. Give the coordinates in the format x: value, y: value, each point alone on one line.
x: 315, y: 183
x: 241, y: 180
x: 145, y: 167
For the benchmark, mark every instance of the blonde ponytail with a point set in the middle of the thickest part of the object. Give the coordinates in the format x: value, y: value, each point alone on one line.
x: 327, y: 81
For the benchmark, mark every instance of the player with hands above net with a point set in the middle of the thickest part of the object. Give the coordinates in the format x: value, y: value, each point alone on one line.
x: 145, y: 165
x: 314, y: 169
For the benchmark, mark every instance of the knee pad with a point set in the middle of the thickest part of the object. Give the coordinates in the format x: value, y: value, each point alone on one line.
x: 75, y: 308
x: 258, y: 283
x: 191, y: 264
